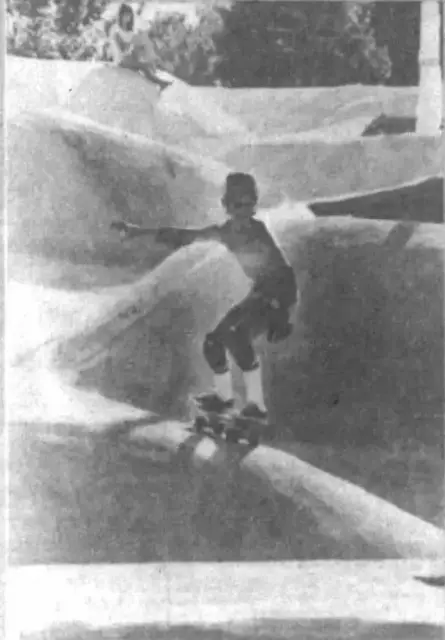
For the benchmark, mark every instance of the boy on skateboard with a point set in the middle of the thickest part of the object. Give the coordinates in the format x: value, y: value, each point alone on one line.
x: 266, y: 308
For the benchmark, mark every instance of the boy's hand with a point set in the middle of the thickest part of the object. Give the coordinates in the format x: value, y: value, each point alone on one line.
x: 280, y: 326
x: 125, y: 229
x: 118, y: 225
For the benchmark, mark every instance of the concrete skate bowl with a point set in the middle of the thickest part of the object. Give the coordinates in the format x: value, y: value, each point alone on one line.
x: 81, y: 496
x: 69, y: 178
x: 421, y: 201
x: 368, y: 326
x: 142, y: 504
x: 168, y: 496
x: 288, y: 111
x: 311, y: 169
x: 38, y: 84
x: 145, y: 350
x: 118, y: 98
x: 123, y: 99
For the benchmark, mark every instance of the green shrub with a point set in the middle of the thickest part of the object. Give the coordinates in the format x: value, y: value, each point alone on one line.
x: 186, y: 50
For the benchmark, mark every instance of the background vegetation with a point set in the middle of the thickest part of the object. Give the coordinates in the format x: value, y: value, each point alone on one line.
x: 242, y: 44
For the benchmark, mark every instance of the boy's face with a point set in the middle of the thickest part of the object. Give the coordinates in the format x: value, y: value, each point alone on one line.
x: 239, y: 204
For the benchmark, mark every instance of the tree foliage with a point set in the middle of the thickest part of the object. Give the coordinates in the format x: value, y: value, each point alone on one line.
x: 397, y: 26
x: 304, y: 43
x: 241, y: 44
x: 187, y: 50
x: 69, y: 29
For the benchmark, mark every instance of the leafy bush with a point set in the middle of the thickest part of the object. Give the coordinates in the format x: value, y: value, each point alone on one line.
x: 244, y: 44
x: 304, y: 43
x: 70, y: 29
x: 186, y: 50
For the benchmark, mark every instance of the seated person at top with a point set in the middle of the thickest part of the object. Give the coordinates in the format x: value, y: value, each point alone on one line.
x: 132, y: 49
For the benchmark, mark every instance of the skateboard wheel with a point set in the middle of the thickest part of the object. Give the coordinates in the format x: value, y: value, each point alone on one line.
x: 253, y: 439
x: 218, y: 428
x: 232, y: 436
x: 200, y: 423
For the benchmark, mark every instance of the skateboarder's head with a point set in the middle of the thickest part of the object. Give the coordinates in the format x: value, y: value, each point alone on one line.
x: 241, y: 195
x: 125, y: 17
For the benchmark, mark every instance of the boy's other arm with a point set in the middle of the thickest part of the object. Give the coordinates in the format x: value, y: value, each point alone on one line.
x: 280, y: 282
x: 265, y: 236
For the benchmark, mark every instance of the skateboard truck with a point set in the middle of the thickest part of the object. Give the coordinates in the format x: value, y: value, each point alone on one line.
x: 229, y: 423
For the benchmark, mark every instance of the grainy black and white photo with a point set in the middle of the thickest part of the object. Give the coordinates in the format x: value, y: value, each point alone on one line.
x: 224, y: 320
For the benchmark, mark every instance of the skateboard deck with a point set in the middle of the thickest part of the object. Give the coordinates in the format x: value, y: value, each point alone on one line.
x: 228, y: 425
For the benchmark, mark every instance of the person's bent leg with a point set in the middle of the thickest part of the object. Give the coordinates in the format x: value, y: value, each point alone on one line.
x: 241, y: 348
x: 251, y: 321
x: 130, y: 62
x: 255, y: 403
x: 133, y: 63
x: 216, y: 356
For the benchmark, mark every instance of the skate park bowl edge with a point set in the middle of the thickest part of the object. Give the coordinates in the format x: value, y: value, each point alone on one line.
x: 367, y: 327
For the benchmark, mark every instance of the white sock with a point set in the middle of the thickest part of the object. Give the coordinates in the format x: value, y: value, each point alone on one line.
x: 223, y: 385
x: 254, y: 388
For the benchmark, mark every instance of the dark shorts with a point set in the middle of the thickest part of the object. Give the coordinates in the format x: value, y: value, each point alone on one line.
x: 235, y: 333
x: 251, y: 317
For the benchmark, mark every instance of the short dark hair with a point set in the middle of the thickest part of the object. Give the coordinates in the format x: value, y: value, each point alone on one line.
x: 244, y: 182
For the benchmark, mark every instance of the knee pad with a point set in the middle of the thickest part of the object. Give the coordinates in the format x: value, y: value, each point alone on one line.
x: 215, y: 353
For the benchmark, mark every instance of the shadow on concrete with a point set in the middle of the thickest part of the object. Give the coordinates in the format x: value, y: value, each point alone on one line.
x: 432, y: 581
x: 365, y: 367
x: 266, y: 629
x: 90, y: 498
x: 389, y: 125
x: 422, y: 202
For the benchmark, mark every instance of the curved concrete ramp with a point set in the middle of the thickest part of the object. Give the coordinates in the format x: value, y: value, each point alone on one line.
x: 61, y: 206
x: 118, y: 98
x: 33, y: 83
x: 310, y: 169
x: 260, y: 110
x: 301, y: 600
x: 367, y: 327
x: 198, y: 105
x: 365, y: 525
x: 123, y: 99
x: 141, y: 490
x: 272, y: 111
x: 418, y: 202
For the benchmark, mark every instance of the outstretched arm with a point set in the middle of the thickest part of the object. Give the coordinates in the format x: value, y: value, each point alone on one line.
x: 178, y: 237
x: 172, y: 236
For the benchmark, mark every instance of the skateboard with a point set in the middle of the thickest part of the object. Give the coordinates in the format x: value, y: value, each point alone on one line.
x: 230, y: 423
x: 245, y: 429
